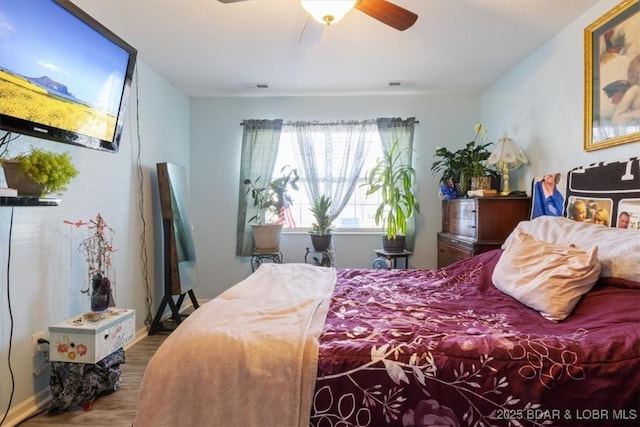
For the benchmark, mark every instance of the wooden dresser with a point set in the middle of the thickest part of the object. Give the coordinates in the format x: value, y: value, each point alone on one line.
x: 476, y: 225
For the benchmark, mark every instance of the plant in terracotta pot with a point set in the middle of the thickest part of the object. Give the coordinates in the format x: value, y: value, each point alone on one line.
x: 466, y: 168
x: 39, y: 172
x: 98, y: 249
x: 321, y: 229
x: 394, y: 181
x: 271, y: 200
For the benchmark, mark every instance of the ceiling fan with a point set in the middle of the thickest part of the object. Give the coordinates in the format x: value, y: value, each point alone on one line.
x: 322, y: 14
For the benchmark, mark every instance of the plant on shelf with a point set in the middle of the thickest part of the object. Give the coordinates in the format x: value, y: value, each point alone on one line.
x: 98, y: 249
x: 394, y: 182
x: 321, y: 228
x: 39, y: 172
x: 458, y: 168
x: 271, y: 201
x: 474, y: 161
x: 449, y: 167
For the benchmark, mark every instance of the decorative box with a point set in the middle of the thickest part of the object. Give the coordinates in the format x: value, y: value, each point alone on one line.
x: 90, y: 337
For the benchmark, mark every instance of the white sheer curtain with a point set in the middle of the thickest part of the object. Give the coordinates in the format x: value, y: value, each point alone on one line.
x: 319, y: 145
x: 260, y: 140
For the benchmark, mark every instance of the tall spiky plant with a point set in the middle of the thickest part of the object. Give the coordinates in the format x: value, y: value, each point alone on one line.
x: 394, y: 181
x: 320, y: 211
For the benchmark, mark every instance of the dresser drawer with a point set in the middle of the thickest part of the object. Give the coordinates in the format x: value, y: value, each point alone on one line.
x: 452, y: 249
x: 497, y: 217
x: 463, y: 218
x: 476, y: 225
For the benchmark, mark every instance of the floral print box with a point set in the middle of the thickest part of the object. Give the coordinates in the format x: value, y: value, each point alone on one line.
x: 90, y: 337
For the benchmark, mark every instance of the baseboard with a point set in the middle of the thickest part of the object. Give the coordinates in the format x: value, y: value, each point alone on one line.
x: 40, y: 401
x: 28, y: 408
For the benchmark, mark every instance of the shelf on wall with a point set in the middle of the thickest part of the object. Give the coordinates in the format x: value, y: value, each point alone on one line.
x: 29, y: 201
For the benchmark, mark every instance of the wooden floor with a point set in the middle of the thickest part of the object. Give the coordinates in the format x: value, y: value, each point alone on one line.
x: 116, y: 409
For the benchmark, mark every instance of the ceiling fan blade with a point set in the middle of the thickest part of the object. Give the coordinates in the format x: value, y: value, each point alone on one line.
x: 311, y: 33
x: 388, y: 13
x: 230, y: 1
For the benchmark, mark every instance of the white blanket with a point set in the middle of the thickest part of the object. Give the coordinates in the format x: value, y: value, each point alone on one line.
x: 246, y: 358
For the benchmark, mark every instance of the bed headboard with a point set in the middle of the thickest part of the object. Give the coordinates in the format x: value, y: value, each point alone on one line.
x: 606, y: 192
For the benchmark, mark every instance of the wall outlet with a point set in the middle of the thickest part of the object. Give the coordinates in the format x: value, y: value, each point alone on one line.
x: 41, y: 367
x: 38, y: 348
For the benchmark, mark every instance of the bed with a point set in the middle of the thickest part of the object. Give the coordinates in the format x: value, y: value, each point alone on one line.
x: 542, y: 332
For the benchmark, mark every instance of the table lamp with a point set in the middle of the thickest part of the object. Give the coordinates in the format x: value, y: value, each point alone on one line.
x: 507, y: 156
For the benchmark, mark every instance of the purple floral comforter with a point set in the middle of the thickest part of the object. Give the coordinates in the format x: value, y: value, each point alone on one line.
x: 444, y: 347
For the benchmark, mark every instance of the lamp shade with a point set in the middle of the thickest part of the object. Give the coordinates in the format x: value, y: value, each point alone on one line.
x: 328, y: 11
x: 507, y: 154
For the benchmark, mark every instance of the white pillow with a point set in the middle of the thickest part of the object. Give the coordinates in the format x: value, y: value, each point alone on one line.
x: 618, y: 248
x: 548, y: 278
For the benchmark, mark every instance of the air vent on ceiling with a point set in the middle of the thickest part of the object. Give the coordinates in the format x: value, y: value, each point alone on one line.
x: 401, y: 83
x: 255, y: 85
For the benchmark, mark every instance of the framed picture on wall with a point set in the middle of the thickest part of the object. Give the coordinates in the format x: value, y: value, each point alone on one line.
x: 612, y: 78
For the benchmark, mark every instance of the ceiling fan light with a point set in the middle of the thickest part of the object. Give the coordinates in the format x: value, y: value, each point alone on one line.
x: 328, y: 11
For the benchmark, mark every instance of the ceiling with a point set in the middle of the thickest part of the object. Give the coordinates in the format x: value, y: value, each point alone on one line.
x: 206, y: 48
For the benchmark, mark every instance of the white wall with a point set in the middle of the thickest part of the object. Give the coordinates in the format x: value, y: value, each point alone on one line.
x: 46, y: 271
x: 216, y: 135
x: 540, y: 104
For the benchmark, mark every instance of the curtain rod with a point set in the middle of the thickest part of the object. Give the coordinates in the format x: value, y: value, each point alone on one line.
x: 329, y: 123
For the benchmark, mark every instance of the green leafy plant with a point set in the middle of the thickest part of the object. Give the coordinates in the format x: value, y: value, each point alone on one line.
x: 52, y: 170
x: 320, y: 211
x: 271, y: 198
x: 394, y: 181
x: 458, y: 167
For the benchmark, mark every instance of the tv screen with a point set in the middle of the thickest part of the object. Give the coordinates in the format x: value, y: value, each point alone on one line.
x: 63, y: 76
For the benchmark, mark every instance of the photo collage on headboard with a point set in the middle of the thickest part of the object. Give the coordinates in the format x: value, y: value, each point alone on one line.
x: 605, y: 193
x: 549, y: 195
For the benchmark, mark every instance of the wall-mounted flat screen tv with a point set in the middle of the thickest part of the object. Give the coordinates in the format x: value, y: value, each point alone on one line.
x: 63, y: 75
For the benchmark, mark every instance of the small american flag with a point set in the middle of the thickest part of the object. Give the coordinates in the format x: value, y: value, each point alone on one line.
x: 285, y: 216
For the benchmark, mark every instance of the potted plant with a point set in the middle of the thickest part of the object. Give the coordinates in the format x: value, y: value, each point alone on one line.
x: 394, y: 180
x: 97, y: 250
x: 465, y: 168
x: 449, y: 167
x: 271, y: 200
x: 321, y: 229
x: 474, y: 173
x: 39, y: 172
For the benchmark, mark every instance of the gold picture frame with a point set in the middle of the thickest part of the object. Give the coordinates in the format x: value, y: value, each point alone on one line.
x: 612, y: 78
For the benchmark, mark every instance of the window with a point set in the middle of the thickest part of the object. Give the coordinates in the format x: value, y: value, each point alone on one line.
x: 332, y: 158
x: 358, y: 213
